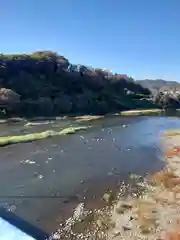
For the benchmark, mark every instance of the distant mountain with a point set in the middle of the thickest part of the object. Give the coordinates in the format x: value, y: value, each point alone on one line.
x: 159, y: 84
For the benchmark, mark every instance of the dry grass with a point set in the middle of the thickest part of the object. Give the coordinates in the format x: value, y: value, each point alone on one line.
x: 123, y: 207
x: 140, y: 112
x: 172, y: 133
x: 146, y: 216
x: 172, y: 236
x: 37, y: 123
x: 104, y: 222
x: 167, y: 178
x: 87, y: 118
x: 37, y: 136
x: 96, y: 223
x: 173, y: 151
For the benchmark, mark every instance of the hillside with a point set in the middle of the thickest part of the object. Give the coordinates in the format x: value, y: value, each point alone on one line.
x: 46, y: 84
x: 159, y: 84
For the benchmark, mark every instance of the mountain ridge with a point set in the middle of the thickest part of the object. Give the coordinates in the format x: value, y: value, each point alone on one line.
x: 159, y: 84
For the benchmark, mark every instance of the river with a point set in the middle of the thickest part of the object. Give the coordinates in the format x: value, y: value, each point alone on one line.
x: 43, y: 181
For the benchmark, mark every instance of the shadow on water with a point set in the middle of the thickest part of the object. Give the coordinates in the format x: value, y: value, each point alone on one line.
x: 45, y: 179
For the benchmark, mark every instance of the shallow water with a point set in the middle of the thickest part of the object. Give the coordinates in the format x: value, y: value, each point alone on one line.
x: 42, y: 181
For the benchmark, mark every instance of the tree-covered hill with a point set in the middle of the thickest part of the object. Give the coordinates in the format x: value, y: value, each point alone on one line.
x: 46, y: 84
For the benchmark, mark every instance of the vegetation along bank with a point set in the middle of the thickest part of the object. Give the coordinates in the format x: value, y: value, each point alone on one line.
x: 47, y: 84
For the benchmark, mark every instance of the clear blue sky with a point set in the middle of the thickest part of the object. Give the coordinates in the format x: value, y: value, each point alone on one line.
x: 140, y: 38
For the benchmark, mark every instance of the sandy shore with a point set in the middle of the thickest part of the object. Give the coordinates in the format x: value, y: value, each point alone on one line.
x: 87, y: 118
x: 141, y: 112
x: 154, y: 214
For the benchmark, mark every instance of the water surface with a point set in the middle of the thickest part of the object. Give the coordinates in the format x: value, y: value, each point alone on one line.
x: 42, y: 181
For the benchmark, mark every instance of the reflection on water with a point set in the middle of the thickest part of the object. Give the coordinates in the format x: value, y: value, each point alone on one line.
x: 45, y: 179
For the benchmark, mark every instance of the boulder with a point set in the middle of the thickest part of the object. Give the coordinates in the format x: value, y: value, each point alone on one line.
x: 8, y: 97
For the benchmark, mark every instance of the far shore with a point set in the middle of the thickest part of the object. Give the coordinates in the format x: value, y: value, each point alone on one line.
x: 83, y: 118
x: 139, y: 112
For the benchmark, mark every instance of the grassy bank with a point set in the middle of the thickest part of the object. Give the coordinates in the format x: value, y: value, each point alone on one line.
x: 154, y: 214
x: 31, y: 120
x: 84, y: 118
x: 37, y: 136
x: 87, y: 118
x: 172, y: 133
x: 141, y: 112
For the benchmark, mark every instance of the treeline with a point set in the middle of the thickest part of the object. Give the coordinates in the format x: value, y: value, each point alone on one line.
x: 44, y: 83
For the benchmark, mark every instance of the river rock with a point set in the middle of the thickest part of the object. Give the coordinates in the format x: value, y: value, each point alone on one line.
x: 108, y: 197
x: 8, y: 96
x: 121, y: 207
x: 79, y: 212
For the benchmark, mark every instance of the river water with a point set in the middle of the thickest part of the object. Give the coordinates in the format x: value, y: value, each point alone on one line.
x: 44, y: 180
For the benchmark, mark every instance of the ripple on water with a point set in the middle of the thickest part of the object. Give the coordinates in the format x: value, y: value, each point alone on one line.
x: 94, y: 158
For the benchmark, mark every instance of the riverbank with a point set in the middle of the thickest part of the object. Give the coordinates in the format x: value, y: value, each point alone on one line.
x: 86, y: 118
x: 141, y: 112
x: 154, y: 214
x: 32, y: 121
x: 82, y: 118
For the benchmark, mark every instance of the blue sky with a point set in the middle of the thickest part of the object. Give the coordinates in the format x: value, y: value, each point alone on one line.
x: 140, y: 38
